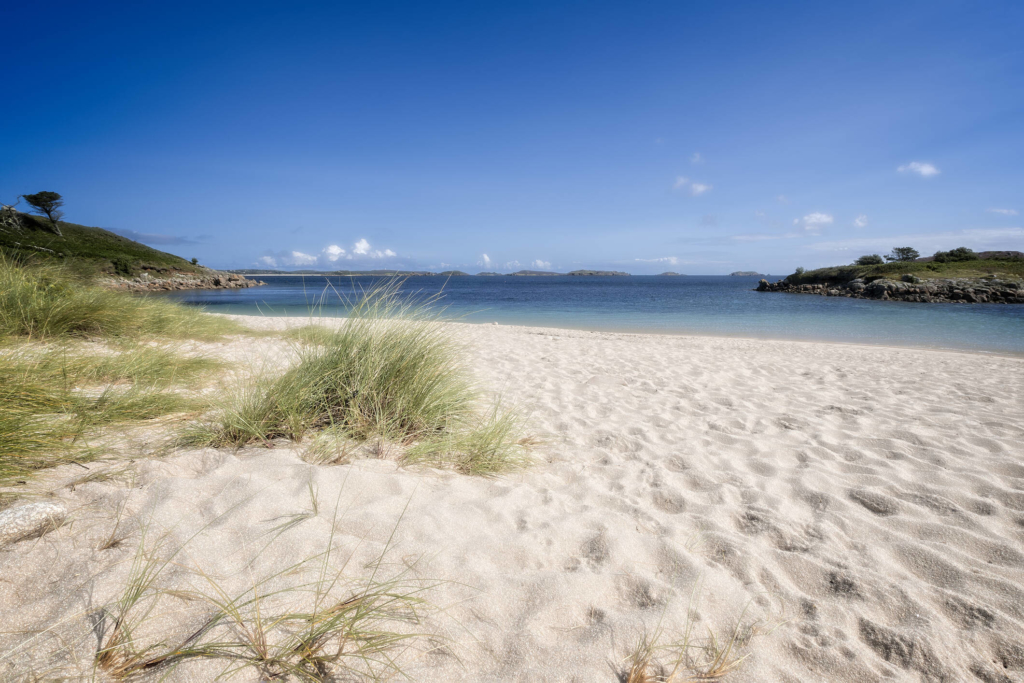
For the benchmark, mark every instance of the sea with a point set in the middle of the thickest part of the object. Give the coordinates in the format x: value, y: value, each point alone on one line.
x: 685, y: 305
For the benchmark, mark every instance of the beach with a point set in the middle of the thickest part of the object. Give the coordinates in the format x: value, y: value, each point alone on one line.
x: 830, y: 512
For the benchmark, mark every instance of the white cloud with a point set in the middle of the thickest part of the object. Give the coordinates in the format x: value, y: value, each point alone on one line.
x: 697, y: 189
x: 267, y: 261
x: 1004, y: 212
x: 484, y: 261
x: 860, y: 221
x: 696, y: 158
x: 672, y: 260
x: 297, y: 258
x: 813, y: 222
x: 361, y: 247
x: 541, y: 265
x: 334, y: 252
x: 512, y: 265
x: 680, y: 183
x: 921, y: 168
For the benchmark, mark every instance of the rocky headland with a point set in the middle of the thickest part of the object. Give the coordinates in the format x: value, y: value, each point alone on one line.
x: 912, y: 288
x: 167, y: 282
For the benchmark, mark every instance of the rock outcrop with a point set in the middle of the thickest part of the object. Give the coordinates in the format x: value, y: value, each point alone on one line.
x: 177, y: 281
x: 910, y: 288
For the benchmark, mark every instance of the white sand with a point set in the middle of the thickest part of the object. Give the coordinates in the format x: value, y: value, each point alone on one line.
x: 866, y: 504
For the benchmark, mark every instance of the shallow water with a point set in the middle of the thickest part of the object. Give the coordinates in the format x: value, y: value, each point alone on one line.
x: 715, y: 305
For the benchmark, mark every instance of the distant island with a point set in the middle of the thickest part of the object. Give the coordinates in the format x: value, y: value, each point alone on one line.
x: 747, y: 273
x: 600, y: 273
x: 673, y: 274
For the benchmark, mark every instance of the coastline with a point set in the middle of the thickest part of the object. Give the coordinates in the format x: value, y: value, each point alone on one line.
x: 246, y: 319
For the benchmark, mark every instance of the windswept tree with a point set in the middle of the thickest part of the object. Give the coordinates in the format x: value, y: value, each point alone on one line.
x: 869, y: 260
x: 48, y: 204
x: 902, y: 254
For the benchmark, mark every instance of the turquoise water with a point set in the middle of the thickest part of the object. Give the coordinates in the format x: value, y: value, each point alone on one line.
x: 714, y: 305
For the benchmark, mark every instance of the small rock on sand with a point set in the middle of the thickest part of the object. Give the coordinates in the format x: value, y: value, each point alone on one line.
x: 28, y: 521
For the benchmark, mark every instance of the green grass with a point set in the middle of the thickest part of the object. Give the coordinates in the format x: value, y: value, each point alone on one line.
x: 46, y: 301
x: 930, y: 270
x: 391, y: 371
x: 91, y: 250
x: 56, y: 397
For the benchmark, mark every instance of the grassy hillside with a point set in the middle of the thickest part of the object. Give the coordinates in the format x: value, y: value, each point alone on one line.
x: 89, y: 250
x: 923, y: 269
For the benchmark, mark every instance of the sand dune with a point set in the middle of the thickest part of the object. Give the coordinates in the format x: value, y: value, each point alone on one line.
x: 860, y: 508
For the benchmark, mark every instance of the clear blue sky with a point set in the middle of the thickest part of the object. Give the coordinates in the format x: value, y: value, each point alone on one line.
x: 695, y: 137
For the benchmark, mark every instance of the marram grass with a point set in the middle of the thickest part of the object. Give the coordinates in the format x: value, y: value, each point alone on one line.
x: 53, y: 397
x: 390, y: 371
x: 46, y: 301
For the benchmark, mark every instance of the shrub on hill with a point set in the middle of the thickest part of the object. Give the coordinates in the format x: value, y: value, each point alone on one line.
x: 953, y: 255
x: 869, y: 260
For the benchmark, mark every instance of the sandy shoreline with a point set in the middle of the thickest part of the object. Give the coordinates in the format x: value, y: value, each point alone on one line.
x: 863, y: 505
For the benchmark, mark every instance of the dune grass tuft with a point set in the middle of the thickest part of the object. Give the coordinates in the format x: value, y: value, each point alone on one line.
x: 47, y: 301
x: 322, y: 628
x: 55, y: 396
x: 691, y: 657
x: 390, y: 371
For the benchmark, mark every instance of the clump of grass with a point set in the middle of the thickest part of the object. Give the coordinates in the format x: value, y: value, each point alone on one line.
x: 55, y: 396
x: 691, y: 656
x: 47, y: 301
x: 390, y: 371
x: 318, y: 630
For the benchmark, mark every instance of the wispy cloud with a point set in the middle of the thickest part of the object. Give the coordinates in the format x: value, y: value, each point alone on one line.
x: 513, y: 265
x: 782, y: 199
x: 922, y: 168
x: 860, y: 221
x: 671, y: 260
x: 763, y: 237
x: 298, y: 258
x: 696, y: 158
x: 484, y: 261
x: 541, y: 265
x: 154, y: 238
x: 927, y: 242
x: 267, y: 261
x: 1004, y: 212
x: 695, y: 189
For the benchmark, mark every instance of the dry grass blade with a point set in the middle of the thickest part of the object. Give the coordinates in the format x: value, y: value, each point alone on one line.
x: 313, y: 631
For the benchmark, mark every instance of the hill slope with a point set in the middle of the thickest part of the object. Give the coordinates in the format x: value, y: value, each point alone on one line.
x: 92, y: 250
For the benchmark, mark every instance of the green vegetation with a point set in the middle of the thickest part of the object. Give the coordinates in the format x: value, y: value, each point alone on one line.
x: 869, y: 260
x: 87, y: 251
x: 903, y: 254
x: 56, y: 394
x: 925, y: 270
x: 958, y: 254
x: 49, y: 204
x: 55, y: 397
x: 48, y: 300
x: 390, y: 372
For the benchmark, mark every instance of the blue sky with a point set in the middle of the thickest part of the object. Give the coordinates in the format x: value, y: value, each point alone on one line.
x: 695, y: 137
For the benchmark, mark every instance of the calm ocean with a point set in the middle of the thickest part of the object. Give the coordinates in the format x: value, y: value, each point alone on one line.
x: 715, y: 305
